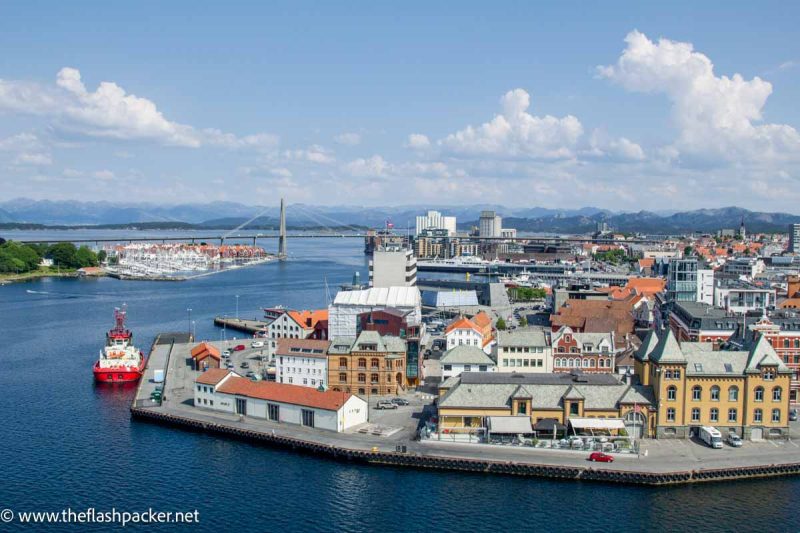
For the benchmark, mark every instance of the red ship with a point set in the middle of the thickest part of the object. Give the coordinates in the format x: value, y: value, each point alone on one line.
x: 120, y: 361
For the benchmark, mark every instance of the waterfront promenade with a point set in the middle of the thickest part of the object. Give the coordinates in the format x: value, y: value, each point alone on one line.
x: 661, y: 461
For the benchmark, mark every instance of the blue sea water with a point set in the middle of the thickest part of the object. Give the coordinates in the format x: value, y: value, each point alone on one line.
x: 67, y: 443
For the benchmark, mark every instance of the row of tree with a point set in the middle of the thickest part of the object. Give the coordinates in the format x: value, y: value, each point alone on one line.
x: 19, y: 258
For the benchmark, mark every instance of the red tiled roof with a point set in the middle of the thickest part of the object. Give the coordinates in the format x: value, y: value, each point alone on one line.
x: 212, y: 376
x: 203, y: 350
x: 482, y: 320
x: 284, y: 393
x: 308, y: 319
x: 462, y: 323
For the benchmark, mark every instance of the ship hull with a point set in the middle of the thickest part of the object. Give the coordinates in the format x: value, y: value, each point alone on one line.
x: 118, y: 375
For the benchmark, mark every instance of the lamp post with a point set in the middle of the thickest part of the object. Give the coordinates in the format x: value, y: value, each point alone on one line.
x: 237, y: 307
x: 189, y: 312
x: 193, y: 329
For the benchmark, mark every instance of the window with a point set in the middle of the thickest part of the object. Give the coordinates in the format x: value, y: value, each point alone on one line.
x: 672, y: 392
x: 776, y: 415
x: 769, y: 374
x: 668, y: 374
x: 676, y: 374
x: 308, y: 418
x: 759, y: 394
x: 482, y: 368
x: 375, y: 364
x: 362, y: 378
x: 450, y: 367
x: 715, y: 393
x: 373, y: 378
x: 362, y: 363
x: 732, y: 415
x: 521, y: 408
x: 715, y: 415
x: 695, y: 415
x: 670, y: 415
x: 697, y: 393
x: 343, y: 362
x: 468, y: 368
x: 274, y: 412
x: 776, y: 394
x: 733, y: 394
x: 758, y: 415
x: 698, y: 367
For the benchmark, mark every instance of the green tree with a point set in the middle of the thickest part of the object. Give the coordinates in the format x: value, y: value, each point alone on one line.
x: 687, y: 251
x: 63, y: 255
x: 501, y: 324
x: 85, y: 257
x: 101, y: 256
x: 523, y: 321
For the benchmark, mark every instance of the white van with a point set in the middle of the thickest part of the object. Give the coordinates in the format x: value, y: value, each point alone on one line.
x: 711, y: 436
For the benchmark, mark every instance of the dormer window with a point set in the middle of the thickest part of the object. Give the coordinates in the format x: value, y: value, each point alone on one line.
x: 769, y: 374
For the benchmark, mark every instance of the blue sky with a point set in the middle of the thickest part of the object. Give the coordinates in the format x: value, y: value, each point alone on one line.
x: 620, y: 105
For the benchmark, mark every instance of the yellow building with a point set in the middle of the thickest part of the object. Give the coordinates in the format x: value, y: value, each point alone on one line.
x: 467, y: 403
x: 737, y: 391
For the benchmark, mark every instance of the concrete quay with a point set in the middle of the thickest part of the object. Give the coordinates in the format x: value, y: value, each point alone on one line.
x: 240, y: 324
x: 666, y: 461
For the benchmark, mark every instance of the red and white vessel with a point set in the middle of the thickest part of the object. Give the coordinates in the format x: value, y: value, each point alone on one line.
x: 120, y: 361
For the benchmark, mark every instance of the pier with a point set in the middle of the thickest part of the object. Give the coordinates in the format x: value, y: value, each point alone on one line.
x: 240, y: 324
x: 669, y: 462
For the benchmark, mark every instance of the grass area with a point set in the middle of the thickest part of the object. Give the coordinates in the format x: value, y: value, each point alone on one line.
x: 41, y: 272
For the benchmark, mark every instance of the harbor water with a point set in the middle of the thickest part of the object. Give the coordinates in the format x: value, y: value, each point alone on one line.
x: 68, y: 443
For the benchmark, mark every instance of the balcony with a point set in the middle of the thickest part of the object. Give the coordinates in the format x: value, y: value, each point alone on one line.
x: 342, y: 368
x: 361, y: 368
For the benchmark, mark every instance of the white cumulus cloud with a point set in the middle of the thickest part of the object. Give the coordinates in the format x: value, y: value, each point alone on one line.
x: 418, y: 141
x: 517, y: 133
x: 110, y: 112
x: 718, y: 117
x: 348, y: 139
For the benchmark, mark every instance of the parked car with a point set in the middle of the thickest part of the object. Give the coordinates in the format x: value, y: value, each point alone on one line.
x: 245, y: 364
x: 257, y: 344
x: 250, y: 374
x: 385, y: 404
x: 601, y: 457
x: 226, y: 353
x: 399, y: 401
x: 238, y: 347
x: 793, y: 415
x: 734, y: 440
x: 229, y: 365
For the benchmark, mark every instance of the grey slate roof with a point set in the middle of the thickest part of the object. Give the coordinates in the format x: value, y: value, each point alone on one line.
x: 515, y: 378
x: 763, y: 354
x: 667, y: 350
x: 499, y: 395
x: 385, y: 343
x: 522, y: 337
x: 648, y: 345
x: 466, y: 355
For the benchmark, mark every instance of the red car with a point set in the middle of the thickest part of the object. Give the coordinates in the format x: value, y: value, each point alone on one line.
x: 238, y: 348
x: 601, y: 457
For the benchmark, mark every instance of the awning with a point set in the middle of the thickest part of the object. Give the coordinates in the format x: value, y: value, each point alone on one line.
x: 510, y: 424
x: 549, y: 425
x: 597, y: 423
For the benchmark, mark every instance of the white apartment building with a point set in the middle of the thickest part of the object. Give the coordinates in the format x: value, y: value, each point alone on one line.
x: 465, y: 359
x: 524, y: 350
x: 435, y: 220
x: 705, y: 286
x: 302, y: 362
x: 393, y: 267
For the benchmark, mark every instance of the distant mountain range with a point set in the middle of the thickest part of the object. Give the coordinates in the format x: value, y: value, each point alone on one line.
x: 228, y: 215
